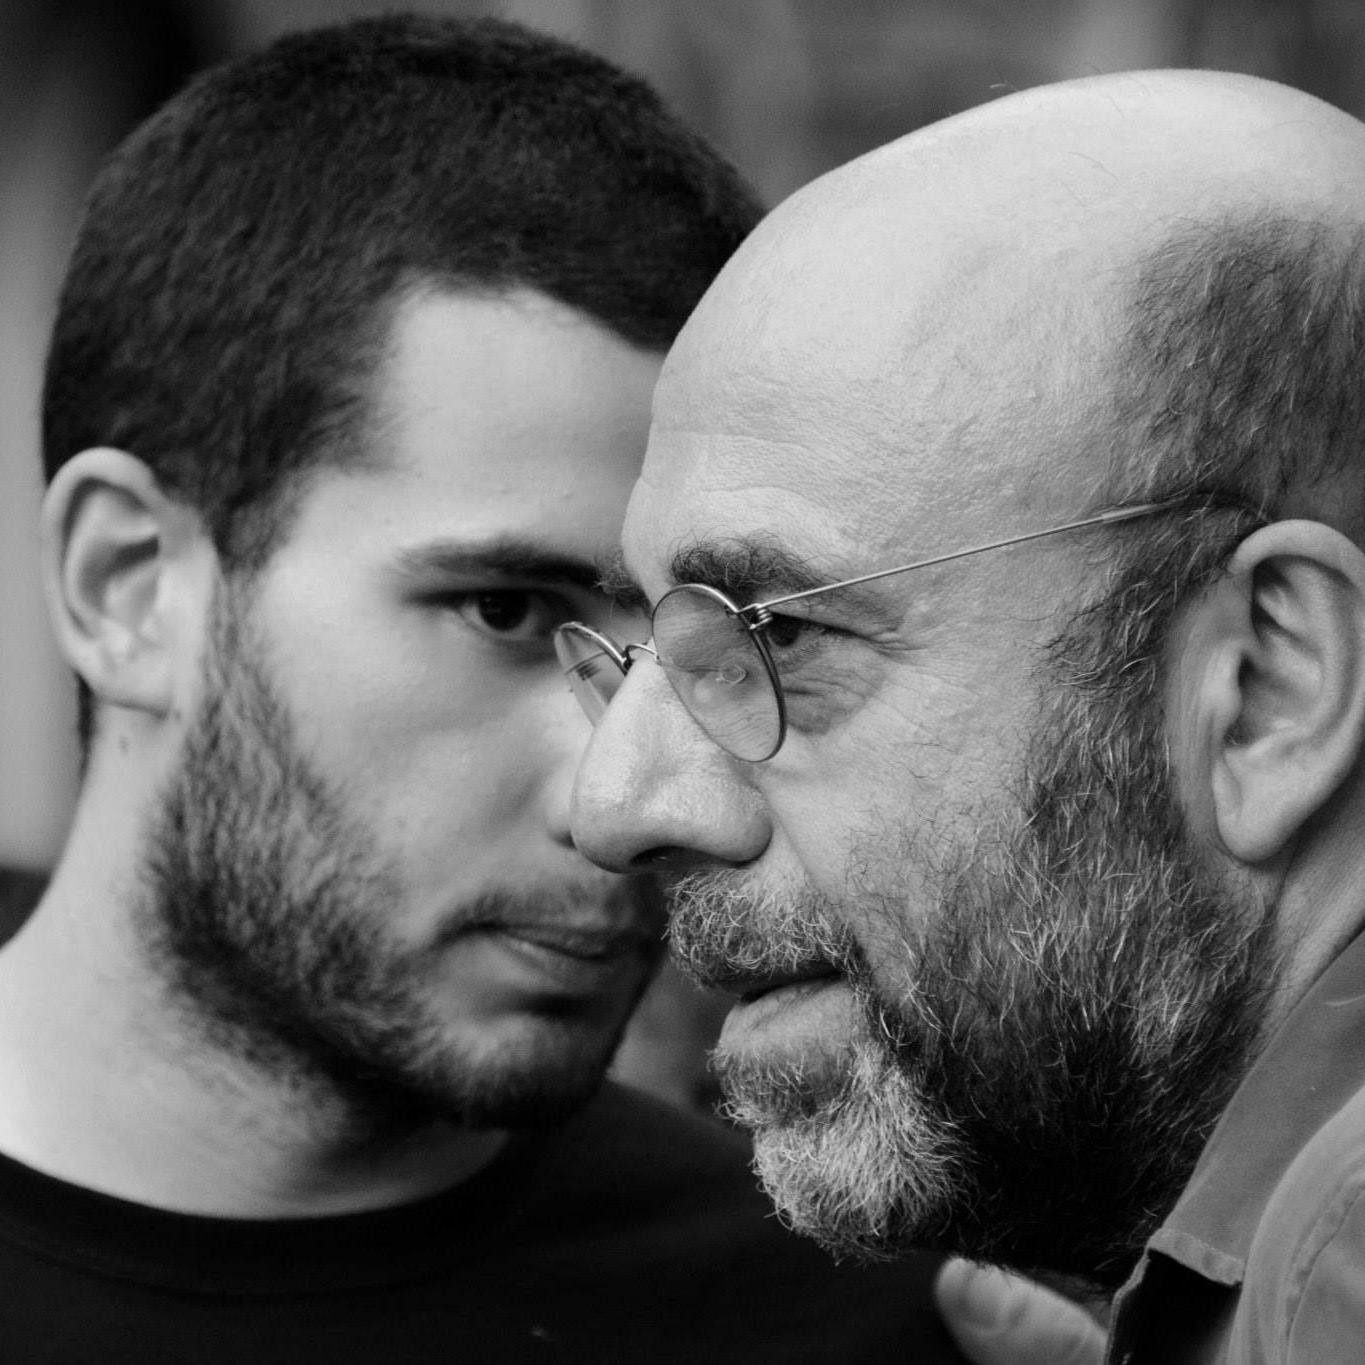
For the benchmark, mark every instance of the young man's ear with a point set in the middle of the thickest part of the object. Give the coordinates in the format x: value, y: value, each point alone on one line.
x: 123, y: 570
x: 1267, y: 705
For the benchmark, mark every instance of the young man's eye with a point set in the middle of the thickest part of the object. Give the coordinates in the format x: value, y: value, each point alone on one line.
x: 514, y: 613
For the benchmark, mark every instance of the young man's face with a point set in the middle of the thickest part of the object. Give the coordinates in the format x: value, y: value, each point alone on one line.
x: 364, y: 870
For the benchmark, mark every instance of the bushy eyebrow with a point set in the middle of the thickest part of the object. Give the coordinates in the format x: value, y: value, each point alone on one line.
x: 746, y: 570
x: 507, y: 557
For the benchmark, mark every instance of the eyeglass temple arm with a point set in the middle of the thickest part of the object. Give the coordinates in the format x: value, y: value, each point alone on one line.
x: 1131, y: 513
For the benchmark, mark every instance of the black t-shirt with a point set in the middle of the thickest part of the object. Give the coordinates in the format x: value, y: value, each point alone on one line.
x: 632, y: 1233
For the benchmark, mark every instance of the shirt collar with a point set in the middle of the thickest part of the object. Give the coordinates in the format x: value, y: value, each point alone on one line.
x: 1312, y: 1064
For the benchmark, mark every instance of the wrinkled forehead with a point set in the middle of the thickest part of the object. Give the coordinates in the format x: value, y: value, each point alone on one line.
x: 864, y: 384
x: 926, y: 343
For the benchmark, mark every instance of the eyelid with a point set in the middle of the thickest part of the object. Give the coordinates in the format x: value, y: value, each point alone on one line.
x: 478, y: 587
x: 858, y: 611
x: 463, y: 592
x: 545, y: 610
x: 881, y: 632
x: 808, y: 613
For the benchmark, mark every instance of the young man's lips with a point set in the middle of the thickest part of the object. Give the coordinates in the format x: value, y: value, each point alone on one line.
x: 586, y: 944
x: 573, y: 962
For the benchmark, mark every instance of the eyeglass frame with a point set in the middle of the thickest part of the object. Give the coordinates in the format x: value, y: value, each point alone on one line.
x: 757, y: 616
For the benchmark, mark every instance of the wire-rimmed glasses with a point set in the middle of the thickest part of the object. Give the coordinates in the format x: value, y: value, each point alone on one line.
x: 717, y: 656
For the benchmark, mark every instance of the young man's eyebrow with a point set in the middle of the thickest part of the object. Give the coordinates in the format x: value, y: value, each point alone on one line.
x: 506, y: 557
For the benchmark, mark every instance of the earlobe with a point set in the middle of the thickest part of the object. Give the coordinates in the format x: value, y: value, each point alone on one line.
x: 1273, y: 696
x: 110, y: 539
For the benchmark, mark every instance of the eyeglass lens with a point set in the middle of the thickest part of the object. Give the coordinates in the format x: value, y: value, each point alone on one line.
x: 710, y: 658
x: 715, y: 667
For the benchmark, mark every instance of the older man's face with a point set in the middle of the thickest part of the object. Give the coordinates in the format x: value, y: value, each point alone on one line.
x: 979, y: 969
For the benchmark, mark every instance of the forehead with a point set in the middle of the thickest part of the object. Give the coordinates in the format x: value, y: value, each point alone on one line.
x: 494, y: 415
x: 859, y: 386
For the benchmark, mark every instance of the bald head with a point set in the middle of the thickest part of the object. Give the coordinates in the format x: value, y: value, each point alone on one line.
x: 991, y: 287
x: 1113, y: 153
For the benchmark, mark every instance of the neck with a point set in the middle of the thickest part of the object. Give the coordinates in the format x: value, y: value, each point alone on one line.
x: 103, y: 1085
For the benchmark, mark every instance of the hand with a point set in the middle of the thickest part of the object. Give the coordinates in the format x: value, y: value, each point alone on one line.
x: 1001, y: 1319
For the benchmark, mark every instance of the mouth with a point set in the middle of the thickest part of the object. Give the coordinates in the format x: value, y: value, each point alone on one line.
x: 584, y: 943
x: 564, y: 961
x: 779, y: 1011
x: 751, y: 980
x: 802, y: 981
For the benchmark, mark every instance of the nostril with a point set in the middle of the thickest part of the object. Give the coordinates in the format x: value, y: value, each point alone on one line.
x: 672, y: 858
x: 656, y: 859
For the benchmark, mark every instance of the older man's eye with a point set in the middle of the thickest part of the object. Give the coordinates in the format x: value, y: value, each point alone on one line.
x: 787, y: 632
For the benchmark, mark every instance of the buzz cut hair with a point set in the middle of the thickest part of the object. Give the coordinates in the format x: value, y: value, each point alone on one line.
x: 232, y: 283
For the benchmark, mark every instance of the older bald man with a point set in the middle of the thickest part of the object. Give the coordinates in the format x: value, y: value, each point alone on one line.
x: 1002, y: 526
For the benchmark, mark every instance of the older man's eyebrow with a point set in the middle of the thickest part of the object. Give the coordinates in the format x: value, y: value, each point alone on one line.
x: 620, y: 585
x: 507, y: 557
x: 755, y: 569
x: 746, y: 569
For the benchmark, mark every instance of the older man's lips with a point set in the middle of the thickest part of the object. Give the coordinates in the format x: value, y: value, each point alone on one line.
x: 779, y: 993
x: 754, y: 990
x: 786, y: 1005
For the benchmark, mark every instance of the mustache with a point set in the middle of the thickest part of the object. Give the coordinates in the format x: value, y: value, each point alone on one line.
x: 728, y: 936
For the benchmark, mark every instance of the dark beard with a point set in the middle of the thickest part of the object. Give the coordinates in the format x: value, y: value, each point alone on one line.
x: 263, y: 916
x: 1070, y: 1023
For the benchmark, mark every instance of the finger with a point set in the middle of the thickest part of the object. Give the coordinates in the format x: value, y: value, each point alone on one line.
x: 1002, y: 1319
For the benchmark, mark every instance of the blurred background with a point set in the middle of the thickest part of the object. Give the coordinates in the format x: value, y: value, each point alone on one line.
x: 787, y: 88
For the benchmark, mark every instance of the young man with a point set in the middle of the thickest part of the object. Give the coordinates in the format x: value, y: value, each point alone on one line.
x: 1037, y: 871
x: 298, y: 1054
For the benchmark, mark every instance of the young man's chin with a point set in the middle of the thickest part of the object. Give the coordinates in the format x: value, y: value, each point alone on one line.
x: 551, y: 1069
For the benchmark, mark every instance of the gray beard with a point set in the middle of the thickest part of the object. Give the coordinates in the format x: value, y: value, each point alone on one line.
x: 262, y: 916
x: 1074, y: 1014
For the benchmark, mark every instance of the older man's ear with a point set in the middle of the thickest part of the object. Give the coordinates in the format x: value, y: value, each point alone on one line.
x: 123, y: 569
x: 1267, y: 700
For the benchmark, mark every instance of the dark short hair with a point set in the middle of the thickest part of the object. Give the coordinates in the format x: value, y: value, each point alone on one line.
x: 231, y: 284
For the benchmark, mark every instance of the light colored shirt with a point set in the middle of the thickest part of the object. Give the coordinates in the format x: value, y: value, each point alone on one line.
x: 1263, y: 1258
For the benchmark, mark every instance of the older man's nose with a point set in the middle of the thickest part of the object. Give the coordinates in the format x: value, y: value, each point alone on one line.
x: 655, y: 792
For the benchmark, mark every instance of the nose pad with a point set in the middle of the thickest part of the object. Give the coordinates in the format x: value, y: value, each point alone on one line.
x: 654, y: 792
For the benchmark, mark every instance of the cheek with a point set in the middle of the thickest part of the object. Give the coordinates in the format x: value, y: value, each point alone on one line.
x: 441, y: 746
x: 866, y: 821
x: 380, y: 675
x: 411, y: 721
x: 911, y: 754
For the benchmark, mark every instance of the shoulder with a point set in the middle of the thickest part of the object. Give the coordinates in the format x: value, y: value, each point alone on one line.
x: 1304, y: 1295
